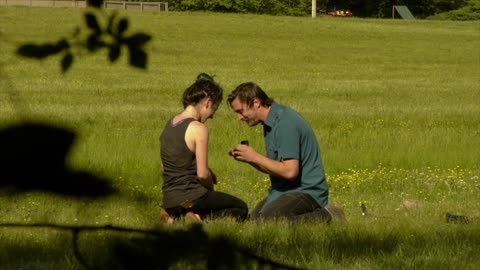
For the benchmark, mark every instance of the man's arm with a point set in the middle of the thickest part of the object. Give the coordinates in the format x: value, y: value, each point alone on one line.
x: 287, y: 169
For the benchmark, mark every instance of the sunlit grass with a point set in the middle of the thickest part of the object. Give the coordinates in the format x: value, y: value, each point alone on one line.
x: 394, y: 105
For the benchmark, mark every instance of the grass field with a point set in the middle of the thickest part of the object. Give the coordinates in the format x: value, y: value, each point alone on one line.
x: 394, y: 104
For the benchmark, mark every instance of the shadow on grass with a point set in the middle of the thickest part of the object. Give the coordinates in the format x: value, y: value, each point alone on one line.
x: 33, y: 159
x: 191, y: 247
x: 360, y: 244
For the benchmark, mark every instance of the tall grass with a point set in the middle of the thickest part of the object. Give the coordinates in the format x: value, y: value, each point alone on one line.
x: 394, y: 105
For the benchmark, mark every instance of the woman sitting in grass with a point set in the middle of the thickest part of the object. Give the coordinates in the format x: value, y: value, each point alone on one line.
x: 187, y: 179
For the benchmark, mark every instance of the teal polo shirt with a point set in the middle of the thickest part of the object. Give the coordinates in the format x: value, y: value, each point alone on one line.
x: 289, y: 136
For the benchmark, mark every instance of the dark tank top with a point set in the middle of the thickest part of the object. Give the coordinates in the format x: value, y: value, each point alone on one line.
x: 180, y: 183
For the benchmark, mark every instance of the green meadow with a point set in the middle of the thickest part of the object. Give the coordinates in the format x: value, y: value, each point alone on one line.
x: 394, y: 104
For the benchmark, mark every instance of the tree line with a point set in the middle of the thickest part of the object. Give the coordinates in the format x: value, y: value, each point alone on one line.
x: 462, y: 9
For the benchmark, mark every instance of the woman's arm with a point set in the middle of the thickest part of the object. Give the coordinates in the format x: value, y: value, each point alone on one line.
x: 197, y: 134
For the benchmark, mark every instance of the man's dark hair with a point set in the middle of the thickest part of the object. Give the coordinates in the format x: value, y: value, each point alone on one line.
x: 247, y: 92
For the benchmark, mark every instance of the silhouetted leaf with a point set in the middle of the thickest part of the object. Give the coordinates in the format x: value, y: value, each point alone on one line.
x: 32, y: 50
x: 97, y: 38
x: 38, y: 51
x: 137, y: 40
x: 94, y: 42
x: 67, y: 61
x: 122, y: 26
x: 92, y: 22
x: 62, y: 44
x: 138, y: 58
x: 114, y: 52
x: 95, y: 3
x: 110, y: 23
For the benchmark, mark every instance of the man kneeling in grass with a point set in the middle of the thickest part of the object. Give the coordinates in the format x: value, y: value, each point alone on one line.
x: 299, y: 189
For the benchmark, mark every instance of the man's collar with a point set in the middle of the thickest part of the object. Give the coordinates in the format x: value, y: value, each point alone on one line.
x: 272, y: 115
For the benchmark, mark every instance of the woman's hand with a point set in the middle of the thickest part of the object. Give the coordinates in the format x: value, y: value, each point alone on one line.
x: 212, y: 175
x: 209, y: 181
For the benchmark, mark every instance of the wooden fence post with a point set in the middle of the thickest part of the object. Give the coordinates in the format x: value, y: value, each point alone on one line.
x: 314, y: 8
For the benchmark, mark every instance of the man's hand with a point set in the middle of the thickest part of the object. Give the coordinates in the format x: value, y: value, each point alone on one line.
x: 285, y: 168
x: 244, y: 153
